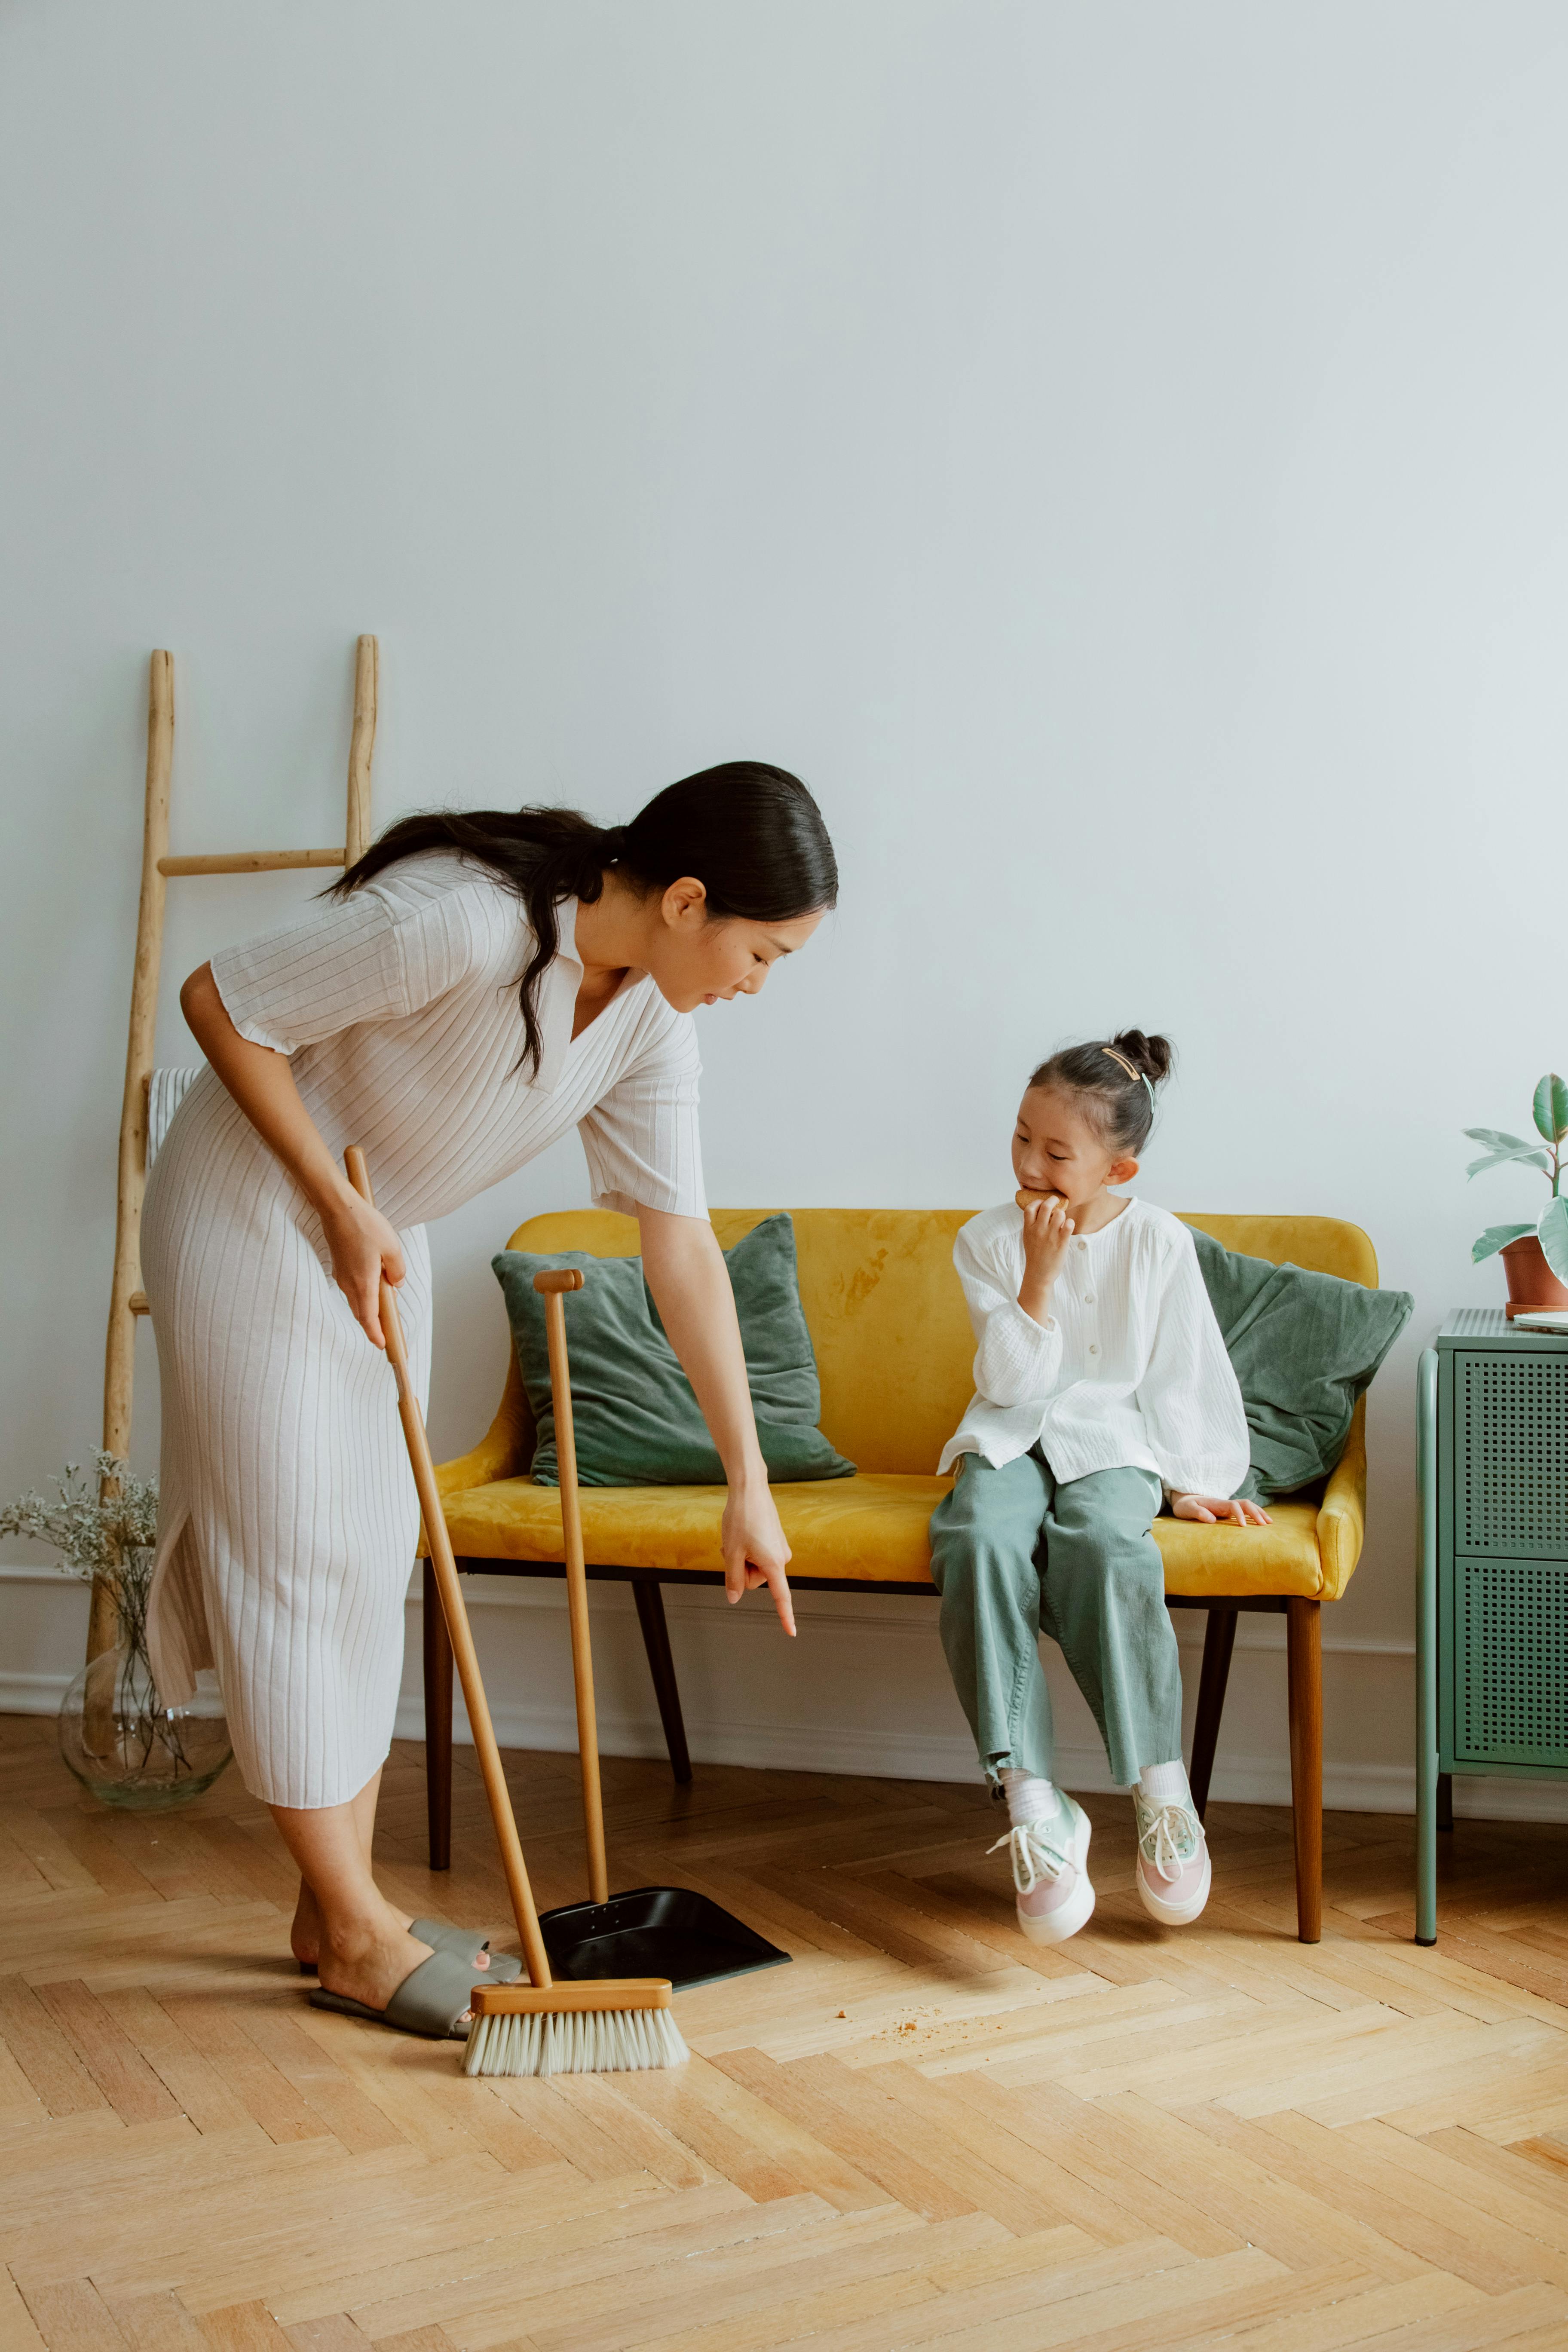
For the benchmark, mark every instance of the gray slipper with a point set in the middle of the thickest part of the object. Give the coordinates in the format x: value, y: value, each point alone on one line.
x: 432, y: 1999
x: 468, y: 1941
x: 442, y: 1936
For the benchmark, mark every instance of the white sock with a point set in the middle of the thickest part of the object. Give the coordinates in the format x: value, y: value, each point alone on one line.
x: 1028, y: 1799
x: 1166, y: 1784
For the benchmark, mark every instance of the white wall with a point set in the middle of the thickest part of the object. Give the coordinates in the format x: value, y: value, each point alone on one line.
x: 1115, y: 455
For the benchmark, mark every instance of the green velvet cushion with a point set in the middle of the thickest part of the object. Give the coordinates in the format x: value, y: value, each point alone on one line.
x: 1304, y: 1347
x: 635, y: 1419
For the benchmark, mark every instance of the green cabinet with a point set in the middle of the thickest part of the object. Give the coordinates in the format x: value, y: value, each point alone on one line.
x: 1492, y: 1596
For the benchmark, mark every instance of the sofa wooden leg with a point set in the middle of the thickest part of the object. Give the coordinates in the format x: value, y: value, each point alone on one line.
x: 649, y: 1596
x: 1303, y: 1632
x: 1219, y: 1641
x: 438, y: 1726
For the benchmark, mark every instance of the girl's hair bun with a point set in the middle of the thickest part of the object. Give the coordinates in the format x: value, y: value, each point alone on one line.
x: 1151, y: 1056
x: 1113, y: 1082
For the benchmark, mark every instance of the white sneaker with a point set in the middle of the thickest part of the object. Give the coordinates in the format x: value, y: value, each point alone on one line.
x: 1050, y: 1871
x: 1174, y: 1872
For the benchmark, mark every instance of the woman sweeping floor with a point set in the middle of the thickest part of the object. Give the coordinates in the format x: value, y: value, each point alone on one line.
x: 475, y: 985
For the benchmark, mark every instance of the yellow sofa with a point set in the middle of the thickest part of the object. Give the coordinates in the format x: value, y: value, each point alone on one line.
x: 894, y: 1351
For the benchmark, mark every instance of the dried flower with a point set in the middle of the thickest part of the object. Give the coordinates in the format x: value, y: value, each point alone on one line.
x: 97, y: 1528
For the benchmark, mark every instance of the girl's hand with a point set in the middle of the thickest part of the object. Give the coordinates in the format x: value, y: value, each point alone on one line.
x: 754, y: 1549
x: 364, y: 1247
x: 1048, y: 1229
x: 1210, y: 1508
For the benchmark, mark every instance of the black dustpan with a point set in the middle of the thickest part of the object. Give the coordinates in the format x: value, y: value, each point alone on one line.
x: 654, y: 1931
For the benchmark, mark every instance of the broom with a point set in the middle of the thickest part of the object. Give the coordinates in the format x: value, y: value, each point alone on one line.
x: 684, y: 1936
x: 608, y: 2025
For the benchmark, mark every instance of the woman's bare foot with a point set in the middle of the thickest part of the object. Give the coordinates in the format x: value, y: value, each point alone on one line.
x: 305, y: 1935
x: 368, y: 1960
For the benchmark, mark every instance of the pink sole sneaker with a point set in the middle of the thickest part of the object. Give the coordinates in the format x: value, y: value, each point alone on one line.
x: 1171, y: 1836
x: 1050, y: 1871
x: 1175, y: 1908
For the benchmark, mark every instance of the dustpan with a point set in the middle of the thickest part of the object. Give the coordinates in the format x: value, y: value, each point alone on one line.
x: 657, y: 1931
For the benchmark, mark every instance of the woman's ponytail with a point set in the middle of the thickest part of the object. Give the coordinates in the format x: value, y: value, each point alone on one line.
x: 751, y: 835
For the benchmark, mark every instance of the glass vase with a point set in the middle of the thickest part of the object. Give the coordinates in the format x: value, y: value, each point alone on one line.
x: 125, y: 1747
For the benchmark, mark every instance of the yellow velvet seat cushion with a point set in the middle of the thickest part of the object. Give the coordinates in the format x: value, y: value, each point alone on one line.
x: 872, y: 1528
x: 894, y: 1352
x: 1283, y: 1557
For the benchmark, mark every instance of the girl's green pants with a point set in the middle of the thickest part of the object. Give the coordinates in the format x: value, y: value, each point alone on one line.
x: 1014, y: 1554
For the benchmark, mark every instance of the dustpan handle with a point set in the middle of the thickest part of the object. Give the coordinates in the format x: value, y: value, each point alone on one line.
x: 457, y: 1616
x: 553, y: 1285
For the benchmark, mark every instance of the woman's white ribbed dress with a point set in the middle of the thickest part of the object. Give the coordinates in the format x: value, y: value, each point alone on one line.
x: 288, y: 1518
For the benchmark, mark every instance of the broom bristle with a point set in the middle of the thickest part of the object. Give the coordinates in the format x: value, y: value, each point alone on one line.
x: 578, y: 2041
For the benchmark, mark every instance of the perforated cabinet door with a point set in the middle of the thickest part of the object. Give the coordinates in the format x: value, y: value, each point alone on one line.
x: 1510, y: 1649
x: 1510, y: 1535
x: 1510, y: 1455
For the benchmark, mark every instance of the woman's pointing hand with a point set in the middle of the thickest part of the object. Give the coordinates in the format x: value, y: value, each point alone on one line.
x: 754, y: 1549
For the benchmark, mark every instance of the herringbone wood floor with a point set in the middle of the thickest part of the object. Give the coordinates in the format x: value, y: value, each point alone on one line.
x: 922, y: 2133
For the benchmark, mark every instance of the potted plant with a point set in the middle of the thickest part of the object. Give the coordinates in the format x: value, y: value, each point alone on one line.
x: 115, y: 1732
x: 1534, y: 1257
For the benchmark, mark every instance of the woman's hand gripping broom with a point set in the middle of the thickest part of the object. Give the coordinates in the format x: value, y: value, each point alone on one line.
x: 604, y: 2025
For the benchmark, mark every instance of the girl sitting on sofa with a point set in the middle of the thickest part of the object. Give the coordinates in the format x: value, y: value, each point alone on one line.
x: 1103, y: 1389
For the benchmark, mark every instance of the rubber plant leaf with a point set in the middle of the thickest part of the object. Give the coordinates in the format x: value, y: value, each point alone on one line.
x: 1531, y: 1154
x: 1497, y: 1139
x: 1550, y: 1107
x: 1497, y: 1237
x: 1553, y: 1232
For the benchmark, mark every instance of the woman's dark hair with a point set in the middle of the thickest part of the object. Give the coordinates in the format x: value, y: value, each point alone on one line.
x: 1114, y: 1079
x: 750, y: 834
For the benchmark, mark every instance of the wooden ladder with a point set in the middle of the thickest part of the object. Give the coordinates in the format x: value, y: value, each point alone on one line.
x: 127, y: 1299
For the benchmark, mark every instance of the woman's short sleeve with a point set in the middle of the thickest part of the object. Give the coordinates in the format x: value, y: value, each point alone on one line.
x: 369, y: 956
x: 641, y: 1138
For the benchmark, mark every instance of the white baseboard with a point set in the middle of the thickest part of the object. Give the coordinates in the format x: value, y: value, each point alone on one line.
x: 33, y: 1693
x: 857, y: 1655
x: 792, y: 1748
x: 876, y: 1755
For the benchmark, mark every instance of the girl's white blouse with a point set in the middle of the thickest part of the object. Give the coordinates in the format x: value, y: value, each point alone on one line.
x: 1129, y: 1371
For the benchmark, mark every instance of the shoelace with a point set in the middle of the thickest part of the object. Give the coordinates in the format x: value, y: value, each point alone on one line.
x: 1169, y: 1837
x: 1034, y: 1857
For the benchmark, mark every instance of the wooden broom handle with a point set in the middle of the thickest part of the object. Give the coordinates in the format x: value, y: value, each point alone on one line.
x: 553, y: 1287
x: 456, y: 1614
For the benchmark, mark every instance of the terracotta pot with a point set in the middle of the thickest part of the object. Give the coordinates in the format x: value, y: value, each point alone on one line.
x: 1530, y: 1281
